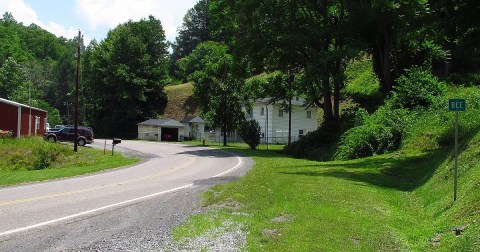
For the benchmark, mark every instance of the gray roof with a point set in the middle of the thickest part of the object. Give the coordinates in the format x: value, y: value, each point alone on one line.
x: 16, y: 104
x: 192, y: 119
x: 298, y: 101
x: 162, y: 123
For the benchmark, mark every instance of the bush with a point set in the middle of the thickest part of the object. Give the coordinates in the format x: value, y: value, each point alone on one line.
x: 380, y: 133
x: 32, y: 153
x: 419, y: 88
x: 321, y: 144
x: 250, y: 132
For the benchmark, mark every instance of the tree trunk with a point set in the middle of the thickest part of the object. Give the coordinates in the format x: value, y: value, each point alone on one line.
x: 327, y: 99
x: 336, y: 98
x: 224, y: 129
x: 384, y: 50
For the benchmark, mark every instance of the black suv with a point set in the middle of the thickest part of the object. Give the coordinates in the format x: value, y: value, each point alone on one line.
x: 67, y: 134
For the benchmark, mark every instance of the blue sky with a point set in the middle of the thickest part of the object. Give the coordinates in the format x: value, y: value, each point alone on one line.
x: 95, y: 17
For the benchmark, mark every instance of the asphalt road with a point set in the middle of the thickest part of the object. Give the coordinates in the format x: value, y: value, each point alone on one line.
x: 130, y: 209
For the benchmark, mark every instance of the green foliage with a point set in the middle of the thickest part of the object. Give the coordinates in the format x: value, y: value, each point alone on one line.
x: 128, y: 70
x: 321, y: 143
x: 31, y: 154
x: 217, y: 89
x: 466, y: 80
x: 13, y: 84
x: 379, y: 133
x: 418, y: 88
x: 250, y: 132
x: 434, y: 128
x: 195, y: 30
x: 363, y: 86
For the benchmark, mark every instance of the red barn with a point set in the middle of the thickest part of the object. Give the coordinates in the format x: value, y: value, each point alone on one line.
x: 22, y: 119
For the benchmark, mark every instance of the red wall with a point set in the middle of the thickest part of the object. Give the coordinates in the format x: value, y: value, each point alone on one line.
x: 34, y: 113
x: 8, y: 117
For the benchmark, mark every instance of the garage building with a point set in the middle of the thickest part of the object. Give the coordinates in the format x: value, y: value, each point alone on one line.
x: 21, y: 119
x: 167, y: 130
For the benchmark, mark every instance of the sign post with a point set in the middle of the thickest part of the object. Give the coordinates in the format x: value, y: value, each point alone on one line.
x: 456, y: 105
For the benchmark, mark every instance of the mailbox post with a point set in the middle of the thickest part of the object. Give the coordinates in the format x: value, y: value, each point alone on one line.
x: 115, y: 142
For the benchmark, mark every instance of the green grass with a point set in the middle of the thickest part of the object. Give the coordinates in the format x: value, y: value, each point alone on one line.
x: 34, y: 159
x: 401, y: 201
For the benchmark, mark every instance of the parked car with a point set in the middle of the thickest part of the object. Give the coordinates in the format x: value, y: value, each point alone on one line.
x: 67, y: 134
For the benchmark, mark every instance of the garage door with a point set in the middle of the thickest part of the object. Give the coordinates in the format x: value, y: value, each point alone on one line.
x: 169, y: 134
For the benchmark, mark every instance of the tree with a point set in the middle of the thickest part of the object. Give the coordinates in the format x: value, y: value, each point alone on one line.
x: 217, y: 89
x: 128, y: 70
x: 13, y: 83
x: 306, y: 38
x: 250, y: 132
x: 397, y: 34
x: 457, y: 23
x: 195, y: 30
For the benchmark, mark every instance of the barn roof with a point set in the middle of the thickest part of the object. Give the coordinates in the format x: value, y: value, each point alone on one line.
x: 16, y: 104
x: 162, y: 123
x: 192, y: 119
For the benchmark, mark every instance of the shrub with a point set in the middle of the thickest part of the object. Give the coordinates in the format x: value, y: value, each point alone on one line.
x: 33, y: 153
x: 380, y: 133
x: 419, y: 88
x: 321, y: 144
x: 250, y: 132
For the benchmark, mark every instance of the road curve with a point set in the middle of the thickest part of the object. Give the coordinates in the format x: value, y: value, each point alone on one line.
x: 167, y: 168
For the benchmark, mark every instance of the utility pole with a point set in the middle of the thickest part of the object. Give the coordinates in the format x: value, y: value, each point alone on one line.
x: 75, y: 124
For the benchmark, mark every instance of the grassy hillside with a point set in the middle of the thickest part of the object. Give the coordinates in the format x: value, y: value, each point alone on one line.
x: 180, y: 102
x: 401, y: 201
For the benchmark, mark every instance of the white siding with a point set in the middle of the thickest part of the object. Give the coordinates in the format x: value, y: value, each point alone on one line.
x: 150, y: 133
x: 278, y: 126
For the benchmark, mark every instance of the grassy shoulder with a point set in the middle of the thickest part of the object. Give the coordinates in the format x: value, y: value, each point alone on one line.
x: 34, y: 159
x: 400, y: 201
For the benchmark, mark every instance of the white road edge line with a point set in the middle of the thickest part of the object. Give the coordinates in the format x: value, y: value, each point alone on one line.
x: 92, y: 211
x: 240, y: 162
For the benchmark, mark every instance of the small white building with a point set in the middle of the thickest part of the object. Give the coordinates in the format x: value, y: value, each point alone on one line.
x: 194, y: 127
x: 274, y: 121
x: 161, y: 130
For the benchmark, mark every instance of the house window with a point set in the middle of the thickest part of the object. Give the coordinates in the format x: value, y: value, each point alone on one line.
x: 300, y: 132
x: 309, y: 114
x: 262, y: 111
x: 280, y: 113
x: 37, y: 122
x: 296, y: 98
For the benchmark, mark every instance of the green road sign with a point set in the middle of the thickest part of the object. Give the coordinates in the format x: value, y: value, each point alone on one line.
x: 457, y: 104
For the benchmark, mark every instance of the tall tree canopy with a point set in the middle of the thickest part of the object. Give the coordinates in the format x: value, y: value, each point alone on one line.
x: 195, y: 30
x: 398, y: 34
x: 217, y: 89
x: 126, y: 75
x: 308, y: 37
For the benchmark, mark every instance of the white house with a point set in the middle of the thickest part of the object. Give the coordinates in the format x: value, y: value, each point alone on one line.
x: 161, y: 130
x: 194, y: 127
x: 274, y: 121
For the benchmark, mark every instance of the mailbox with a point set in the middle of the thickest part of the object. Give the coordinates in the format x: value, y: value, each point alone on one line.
x: 116, y: 141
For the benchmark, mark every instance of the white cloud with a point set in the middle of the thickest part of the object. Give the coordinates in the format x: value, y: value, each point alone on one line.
x: 24, y: 13
x: 21, y: 11
x: 110, y: 13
